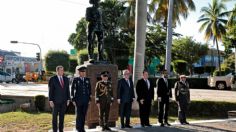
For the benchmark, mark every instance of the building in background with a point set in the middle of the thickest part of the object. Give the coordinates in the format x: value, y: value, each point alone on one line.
x: 13, y: 63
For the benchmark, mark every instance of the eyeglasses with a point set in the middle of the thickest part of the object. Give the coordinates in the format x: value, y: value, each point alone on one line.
x: 105, y: 75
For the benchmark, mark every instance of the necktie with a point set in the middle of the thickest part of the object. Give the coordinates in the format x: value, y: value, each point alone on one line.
x: 128, y: 82
x: 62, y: 82
x: 147, y: 83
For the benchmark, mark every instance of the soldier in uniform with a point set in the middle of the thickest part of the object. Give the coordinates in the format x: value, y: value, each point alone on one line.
x: 81, y: 94
x: 182, y: 97
x: 104, y: 99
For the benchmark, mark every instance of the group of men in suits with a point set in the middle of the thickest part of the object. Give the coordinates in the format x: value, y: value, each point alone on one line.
x: 59, y: 98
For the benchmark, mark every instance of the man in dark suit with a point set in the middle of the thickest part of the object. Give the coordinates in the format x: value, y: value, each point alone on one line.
x: 145, y: 96
x: 125, y: 97
x: 59, y: 97
x: 164, y: 94
x: 81, y: 94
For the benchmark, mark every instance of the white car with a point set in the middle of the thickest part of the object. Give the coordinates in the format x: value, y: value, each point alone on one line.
x: 6, y: 77
x: 220, y: 82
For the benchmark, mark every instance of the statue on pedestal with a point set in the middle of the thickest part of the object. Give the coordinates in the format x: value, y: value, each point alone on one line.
x: 95, y: 27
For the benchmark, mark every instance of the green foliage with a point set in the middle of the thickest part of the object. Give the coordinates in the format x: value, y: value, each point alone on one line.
x: 209, y: 69
x: 73, y: 64
x: 155, y: 43
x: 39, y: 101
x: 188, y: 50
x: 199, y: 70
x: 229, y: 40
x: 180, y: 8
x: 55, y: 58
x: 79, y: 39
x: 224, y: 72
x: 214, y: 22
x: 180, y: 67
x: 83, y: 55
x: 118, y: 52
x: 229, y: 62
x: 201, y: 109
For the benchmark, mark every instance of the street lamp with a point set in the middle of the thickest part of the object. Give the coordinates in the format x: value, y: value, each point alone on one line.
x: 16, y: 42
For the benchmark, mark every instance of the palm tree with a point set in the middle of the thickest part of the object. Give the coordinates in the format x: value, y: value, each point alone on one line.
x: 214, y: 22
x: 169, y: 12
x: 180, y: 8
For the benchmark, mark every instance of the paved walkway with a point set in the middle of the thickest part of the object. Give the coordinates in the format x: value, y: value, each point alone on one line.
x: 226, y: 125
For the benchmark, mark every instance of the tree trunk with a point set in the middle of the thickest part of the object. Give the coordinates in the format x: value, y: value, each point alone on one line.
x: 169, y: 36
x: 218, y: 52
x: 140, y: 37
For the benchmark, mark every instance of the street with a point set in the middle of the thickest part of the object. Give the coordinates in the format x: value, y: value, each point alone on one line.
x: 32, y: 89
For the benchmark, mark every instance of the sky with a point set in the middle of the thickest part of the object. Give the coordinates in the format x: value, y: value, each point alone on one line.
x: 50, y: 22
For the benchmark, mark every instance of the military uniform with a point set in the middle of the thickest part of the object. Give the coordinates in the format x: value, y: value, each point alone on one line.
x: 81, y: 94
x: 182, y: 96
x: 104, y: 96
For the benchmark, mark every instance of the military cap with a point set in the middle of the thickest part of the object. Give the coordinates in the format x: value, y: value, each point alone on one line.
x: 105, y: 73
x: 182, y: 76
x: 82, y: 68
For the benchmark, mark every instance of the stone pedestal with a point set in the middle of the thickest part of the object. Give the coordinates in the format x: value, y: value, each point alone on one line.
x: 93, y: 72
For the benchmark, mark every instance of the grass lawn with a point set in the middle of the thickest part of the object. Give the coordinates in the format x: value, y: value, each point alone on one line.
x: 22, y: 121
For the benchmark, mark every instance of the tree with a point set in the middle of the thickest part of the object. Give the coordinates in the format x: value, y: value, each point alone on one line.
x: 55, y: 58
x: 168, y: 12
x: 155, y: 43
x: 180, y: 8
x: 188, y: 50
x: 213, y: 23
x: 79, y: 39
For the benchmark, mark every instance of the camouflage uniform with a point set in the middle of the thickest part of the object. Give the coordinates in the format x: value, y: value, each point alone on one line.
x: 182, y: 96
x: 104, y: 96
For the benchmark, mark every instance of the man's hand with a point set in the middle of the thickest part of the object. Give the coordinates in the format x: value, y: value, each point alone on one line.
x: 74, y: 103
x: 68, y: 102
x: 141, y: 101
x: 170, y: 100
x: 110, y: 104
x: 98, y: 105
x: 51, y: 104
x: 159, y: 99
x: 133, y: 99
x: 118, y: 101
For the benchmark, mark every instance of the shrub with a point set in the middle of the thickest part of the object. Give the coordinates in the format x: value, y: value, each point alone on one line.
x: 201, y: 109
x: 39, y: 101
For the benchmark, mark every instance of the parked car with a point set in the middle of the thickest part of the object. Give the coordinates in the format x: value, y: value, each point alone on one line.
x: 220, y: 82
x: 6, y: 77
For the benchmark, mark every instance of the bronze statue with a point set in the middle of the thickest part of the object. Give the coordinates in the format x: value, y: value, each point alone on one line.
x: 95, y: 27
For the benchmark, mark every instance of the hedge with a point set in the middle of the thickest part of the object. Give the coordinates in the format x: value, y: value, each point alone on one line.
x: 201, y: 109
x: 199, y: 83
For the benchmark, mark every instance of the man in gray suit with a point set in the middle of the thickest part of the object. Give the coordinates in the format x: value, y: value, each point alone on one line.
x: 59, y: 97
x: 125, y: 97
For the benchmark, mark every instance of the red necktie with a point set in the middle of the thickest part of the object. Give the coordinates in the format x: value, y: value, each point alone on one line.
x: 62, y: 82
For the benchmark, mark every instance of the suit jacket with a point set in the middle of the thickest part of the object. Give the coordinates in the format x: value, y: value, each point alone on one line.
x: 143, y: 92
x: 81, y: 90
x: 125, y: 92
x: 163, y: 90
x: 57, y: 93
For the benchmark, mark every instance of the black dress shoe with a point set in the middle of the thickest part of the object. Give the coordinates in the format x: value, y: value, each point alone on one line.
x: 142, y: 125
x: 162, y: 125
x: 168, y: 124
x: 186, y: 122
x: 128, y: 126
x: 107, y: 128
x: 122, y: 126
x: 103, y: 129
x: 148, y: 125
